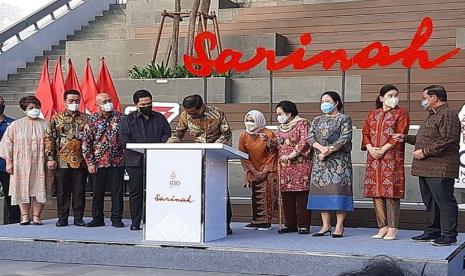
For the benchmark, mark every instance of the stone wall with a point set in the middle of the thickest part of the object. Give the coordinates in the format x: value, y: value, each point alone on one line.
x: 241, y: 90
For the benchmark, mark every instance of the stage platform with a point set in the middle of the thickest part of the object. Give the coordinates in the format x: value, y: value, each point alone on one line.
x: 246, y: 251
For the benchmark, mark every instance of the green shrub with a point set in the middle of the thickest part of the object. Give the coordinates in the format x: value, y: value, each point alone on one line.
x: 160, y: 71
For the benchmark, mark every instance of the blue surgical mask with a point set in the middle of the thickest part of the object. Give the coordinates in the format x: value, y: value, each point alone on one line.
x: 425, y: 104
x: 327, y: 107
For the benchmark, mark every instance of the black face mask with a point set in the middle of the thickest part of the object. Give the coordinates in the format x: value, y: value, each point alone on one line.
x: 146, y: 110
x: 2, y: 108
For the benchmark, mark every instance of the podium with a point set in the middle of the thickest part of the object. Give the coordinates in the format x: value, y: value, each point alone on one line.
x: 186, y: 190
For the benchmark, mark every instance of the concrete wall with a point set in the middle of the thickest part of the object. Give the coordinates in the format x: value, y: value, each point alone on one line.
x: 174, y: 90
x: 147, y: 12
x: 308, y: 89
x: 240, y: 90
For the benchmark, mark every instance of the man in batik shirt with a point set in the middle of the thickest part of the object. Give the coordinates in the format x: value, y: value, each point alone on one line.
x: 63, y: 150
x: 207, y: 124
x: 103, y: 153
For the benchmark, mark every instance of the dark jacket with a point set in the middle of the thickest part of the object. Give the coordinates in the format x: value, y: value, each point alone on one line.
x: 135, y: 128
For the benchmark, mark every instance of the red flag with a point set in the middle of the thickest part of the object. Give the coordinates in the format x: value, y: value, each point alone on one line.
x: 44, y: 92
x: 58, y: 88
x: 72, y: 82
x: 105, y: 84
x: 89, y: 89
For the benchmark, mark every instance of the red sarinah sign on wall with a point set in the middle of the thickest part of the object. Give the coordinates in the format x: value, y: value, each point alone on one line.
x: 374, y: 54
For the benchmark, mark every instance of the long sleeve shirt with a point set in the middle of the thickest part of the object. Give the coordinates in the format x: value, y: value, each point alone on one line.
x: 101, y: 144
x: 439, y: 139
x: 63, y: 139
x: 212, y: 127
x: 136, y: 128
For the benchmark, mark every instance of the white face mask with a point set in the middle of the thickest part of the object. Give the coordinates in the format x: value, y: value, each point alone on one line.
x: 391, y: 102
x: 33, y: 113
x: 282, y: 119
x: 249, y: 126
x: 72, y: 107
x: 107, y: 107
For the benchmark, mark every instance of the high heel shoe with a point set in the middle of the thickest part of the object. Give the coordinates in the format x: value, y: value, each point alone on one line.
x: 321, y: 234
x: 36, y: 222
x: 338, y: 235
x: 25, y: 221
x: 379, y: 236
x: 390, y: 238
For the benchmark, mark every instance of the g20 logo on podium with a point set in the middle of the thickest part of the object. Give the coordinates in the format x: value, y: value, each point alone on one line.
x: 173, y: 181
x: 169, y: 110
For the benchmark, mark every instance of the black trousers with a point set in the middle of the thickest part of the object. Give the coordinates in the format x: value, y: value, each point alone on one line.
x: 70, y: 184
x: 12, y: 211
x: 441, y: 205
x: 228, y: 210
x: 136, y: 193
x: 113, y: 179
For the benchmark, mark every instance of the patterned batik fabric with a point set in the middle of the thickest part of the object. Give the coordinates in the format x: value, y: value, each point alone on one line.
x: 331, y: 181
x: 294, y: 174
x: 63, y: 140
x: 101, y: 144
x: 212, y: 127
x: 385, y: 177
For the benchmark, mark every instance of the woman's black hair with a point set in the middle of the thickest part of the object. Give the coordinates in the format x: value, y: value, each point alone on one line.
x: 288, y: 107
x: 335, y: 97
x: 25, y: 101
x: 383, y: 92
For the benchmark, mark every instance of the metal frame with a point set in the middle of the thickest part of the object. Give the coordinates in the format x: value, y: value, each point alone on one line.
x: 32, y: 20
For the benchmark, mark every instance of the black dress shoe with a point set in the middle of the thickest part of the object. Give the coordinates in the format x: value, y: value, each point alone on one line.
x: 424, y: 238
x: 61, y: 223
x: 95, y: 223
x: 288, y: 230
x: 229, y: 231
x: 117, y: 224
x: 135, y: 227
x: 445, y: 241
x: 79, y: 222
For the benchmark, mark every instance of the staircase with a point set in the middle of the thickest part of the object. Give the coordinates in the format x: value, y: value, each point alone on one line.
x: 25, y: 81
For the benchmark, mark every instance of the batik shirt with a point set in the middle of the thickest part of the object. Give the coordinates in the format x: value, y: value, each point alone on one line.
x: 211, y: 128
x: 101, y: 144
x: 63, y: 139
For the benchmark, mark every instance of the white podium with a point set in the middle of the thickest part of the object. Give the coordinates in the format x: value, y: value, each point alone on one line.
x: 186, y: 191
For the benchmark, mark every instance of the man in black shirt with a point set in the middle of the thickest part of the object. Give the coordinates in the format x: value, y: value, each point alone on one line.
x: 141, y: 126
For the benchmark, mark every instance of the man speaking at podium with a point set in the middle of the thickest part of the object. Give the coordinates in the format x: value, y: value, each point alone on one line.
x: 207, y: 124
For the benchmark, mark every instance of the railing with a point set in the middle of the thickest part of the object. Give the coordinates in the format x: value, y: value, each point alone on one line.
x: 39, y: 31
x: 39, y: 19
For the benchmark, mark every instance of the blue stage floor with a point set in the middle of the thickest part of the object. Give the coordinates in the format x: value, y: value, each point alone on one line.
x: 356, y: 243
